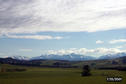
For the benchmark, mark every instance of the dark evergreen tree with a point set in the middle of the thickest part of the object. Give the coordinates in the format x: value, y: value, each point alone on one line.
x: 86, y: 71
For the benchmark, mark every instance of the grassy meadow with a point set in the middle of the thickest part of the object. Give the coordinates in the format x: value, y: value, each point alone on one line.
x: 37, y: 75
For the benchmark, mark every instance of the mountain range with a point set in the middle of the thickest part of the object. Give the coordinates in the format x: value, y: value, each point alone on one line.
x: 70, y: 57
x: 112, y: 56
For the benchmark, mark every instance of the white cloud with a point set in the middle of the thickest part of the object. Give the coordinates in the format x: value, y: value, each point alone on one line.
x: 117, y: 41
x: 121, y: 46
x: 25, y: 50
x: 118, y: 47
x: 99, y: 42
x: 38, y: 37
x: 31, y: 16
x: 88, y: 52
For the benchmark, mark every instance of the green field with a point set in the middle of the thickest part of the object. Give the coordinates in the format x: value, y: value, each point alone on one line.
x: 37, y: 75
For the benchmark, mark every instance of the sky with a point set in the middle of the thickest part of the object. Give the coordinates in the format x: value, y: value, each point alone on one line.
x: 35, y: 27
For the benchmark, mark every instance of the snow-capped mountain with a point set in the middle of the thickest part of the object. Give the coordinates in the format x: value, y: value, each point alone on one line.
x: 71, y: 57
x: 77, y: 57
x: 64, y: 57
x: 112, y: 56
x: 19, y: 57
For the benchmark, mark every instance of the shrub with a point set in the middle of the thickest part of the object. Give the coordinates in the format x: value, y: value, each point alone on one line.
x: 86, y: 71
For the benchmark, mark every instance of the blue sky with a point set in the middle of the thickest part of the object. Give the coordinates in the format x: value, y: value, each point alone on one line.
x: 78, y: 40
x: 88, y: 27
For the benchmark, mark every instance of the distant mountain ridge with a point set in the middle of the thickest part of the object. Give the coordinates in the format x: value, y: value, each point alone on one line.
x: 112, y: 56
x: 70, y: 57
x: 19, y: 57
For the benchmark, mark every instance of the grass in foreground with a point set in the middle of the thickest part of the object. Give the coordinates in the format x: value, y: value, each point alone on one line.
x: 36, y: 75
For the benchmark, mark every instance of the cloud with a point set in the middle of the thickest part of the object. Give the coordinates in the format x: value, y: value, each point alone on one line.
x: 117, y: 41
x: 25, y: 50
x: 121, y: 46
x: 99, y: 42
x: 32, y: 16
x: 38, y: 37
x: 88, y: 52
